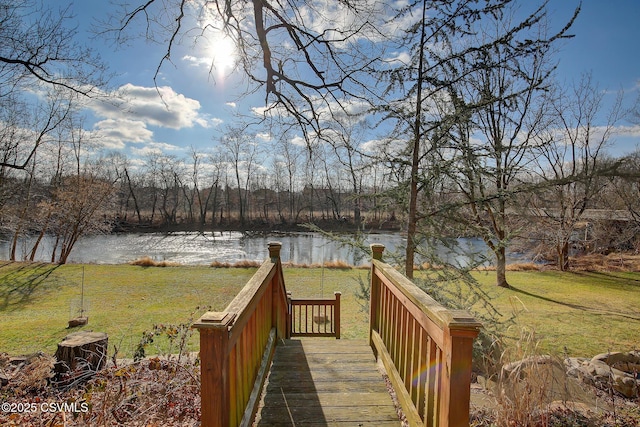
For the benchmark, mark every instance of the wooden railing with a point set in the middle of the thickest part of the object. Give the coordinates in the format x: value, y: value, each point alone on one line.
x: 426, y: 349
x: 237, y: 345
x: 314, y: 317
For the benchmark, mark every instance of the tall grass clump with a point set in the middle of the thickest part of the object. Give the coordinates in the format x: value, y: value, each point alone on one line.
x: 147, y: 261
x: 238, y: 264
x: 527, y: 383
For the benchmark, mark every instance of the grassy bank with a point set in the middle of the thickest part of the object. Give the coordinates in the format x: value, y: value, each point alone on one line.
x: 574, y: 313
x: 36, y: 301
x: 586, y: 313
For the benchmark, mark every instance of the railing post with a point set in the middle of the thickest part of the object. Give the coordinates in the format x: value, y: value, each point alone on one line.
x: 289, y: 316
x: 274, y: 250
x: 459, y: 334
x: 214, y: 367
x: 337, y: 314
x: 279, y: 303
x: 374, y: 292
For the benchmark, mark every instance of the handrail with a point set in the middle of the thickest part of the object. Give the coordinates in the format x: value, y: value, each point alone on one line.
x: 425, y: 348
x: 237, y: 344
x: 314, y: 317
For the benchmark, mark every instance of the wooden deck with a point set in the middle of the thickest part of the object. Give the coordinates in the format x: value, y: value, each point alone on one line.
x: 325, y: 382
x: 250, y: 365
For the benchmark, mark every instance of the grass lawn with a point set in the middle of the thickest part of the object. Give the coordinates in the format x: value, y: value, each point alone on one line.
x: 37, y: 300
x: 586, y: 313
x: 573, y: 313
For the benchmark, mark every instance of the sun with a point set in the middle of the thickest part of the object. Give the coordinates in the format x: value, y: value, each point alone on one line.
x: 224, y: 56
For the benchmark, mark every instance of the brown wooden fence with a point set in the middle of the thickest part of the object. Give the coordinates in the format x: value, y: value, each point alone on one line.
x: 315, y: 317
x: 237, y: 345
x: 426, y: 349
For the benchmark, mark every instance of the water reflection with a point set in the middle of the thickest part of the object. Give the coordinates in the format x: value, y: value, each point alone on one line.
x: 191, y: 248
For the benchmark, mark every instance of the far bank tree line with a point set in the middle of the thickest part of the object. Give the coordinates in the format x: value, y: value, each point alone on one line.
x: 473, y: 134
x: 567, y: 197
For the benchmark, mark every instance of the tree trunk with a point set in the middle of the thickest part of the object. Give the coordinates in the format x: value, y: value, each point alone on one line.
x: 563, y: 256
x: 133, y: 196
x: 501, y: 267
x: 43, y: 231
x: 412, y: 220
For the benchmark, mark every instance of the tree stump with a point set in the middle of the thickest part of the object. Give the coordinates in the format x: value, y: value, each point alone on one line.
x: 80, y: 355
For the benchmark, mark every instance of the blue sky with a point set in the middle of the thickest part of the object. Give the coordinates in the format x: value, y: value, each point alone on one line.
x: 201, y: 104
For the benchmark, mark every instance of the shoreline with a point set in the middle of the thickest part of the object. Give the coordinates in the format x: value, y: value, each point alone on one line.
x: 344, y: 226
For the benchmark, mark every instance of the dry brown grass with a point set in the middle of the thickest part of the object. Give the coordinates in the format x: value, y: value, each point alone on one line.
x: 524, y: 266
x: 611, y: 262
x: 149, y: 262
x: 239, y: 264
x: 335, y: 265
x: 26, y: 375
x: 152, y: 392
x: 592, y: 262
x: 340, y: 265
x: 528, y: 383
x: 520, y: 266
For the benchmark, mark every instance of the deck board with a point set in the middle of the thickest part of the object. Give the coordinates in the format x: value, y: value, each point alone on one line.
x: 325, y: 382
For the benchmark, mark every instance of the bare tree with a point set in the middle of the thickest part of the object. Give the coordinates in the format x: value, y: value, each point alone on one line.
x: 131, y: 192
x: 473, y: 68
x: 218, y: 175
x: 170, y: 187
x: 47, y: 124
x: 346, y: 143
x: 509, y: 116
x: 78, y: 203
x: 573, y: 163
x: 309, y: 62
x: 38, y: 44
x: 242, y: 151
x: 288, y: 161
x: 625, y: 196
x: 201, y: 196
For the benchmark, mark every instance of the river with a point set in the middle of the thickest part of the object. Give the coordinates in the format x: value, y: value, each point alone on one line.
x: 193, y: 248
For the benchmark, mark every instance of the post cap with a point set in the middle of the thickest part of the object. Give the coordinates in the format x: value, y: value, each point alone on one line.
x: 215, y: 319
x: 274, y: 249
x: 376, y: 250
x: 461, y: 321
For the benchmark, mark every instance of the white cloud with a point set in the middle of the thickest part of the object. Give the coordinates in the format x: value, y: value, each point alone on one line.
x: 215, y: 121
x: 631, y: 131
x: 263, y: 136
x: 325, y: 16
x: 327, y: 111
x: 231, y: 104
x: 379, y: 146
x: 263, y: 111
x: 197, y: 61
x: 398, y: 58
x: 113, y: 134
x: 298, y: 141
x: 127, y: 115
x: 154, y: 148
x: 160, y: 106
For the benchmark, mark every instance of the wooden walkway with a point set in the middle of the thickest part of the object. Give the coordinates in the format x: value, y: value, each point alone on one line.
x: 325, y: 382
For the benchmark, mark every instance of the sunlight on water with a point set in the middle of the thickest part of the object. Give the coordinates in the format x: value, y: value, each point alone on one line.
x: 193, y: 248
